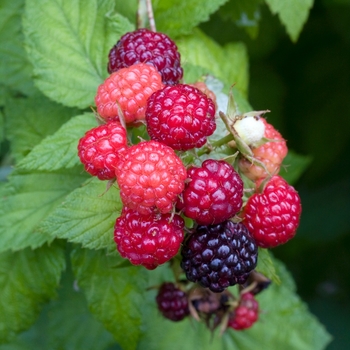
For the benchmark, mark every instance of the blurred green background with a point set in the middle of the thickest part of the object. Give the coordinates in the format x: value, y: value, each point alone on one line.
x: 306, y: 85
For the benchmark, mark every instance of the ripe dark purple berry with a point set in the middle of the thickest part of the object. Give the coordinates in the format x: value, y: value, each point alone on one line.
x: 219, y: 256
x: 172, y: 302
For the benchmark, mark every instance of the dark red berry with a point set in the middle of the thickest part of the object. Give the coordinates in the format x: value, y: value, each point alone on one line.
x: 180, y: 116
x: 213, y: 193
x: 148, y: 240
x: 100, y: 148
x: 245, y: 314
x: 145, y: 46
x: 219, y: 256
x: 172, y: 302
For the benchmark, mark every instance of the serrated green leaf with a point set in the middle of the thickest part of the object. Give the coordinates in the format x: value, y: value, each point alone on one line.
x: 15, y: 68
x: 161, y: 333
x: 60, y: 149
x: 29, y: 120
x: 66, y: 323
x: 228, y: 63
x: 292, y: 13
x: 87, y: 216
x: 278, y: 304
x: 27, y: 199
x: 114, y: 295
x: 28, y: 278
x: 266, y: 267
x: 179, y: 17
x: 293, y: 166
x: 68, y: 43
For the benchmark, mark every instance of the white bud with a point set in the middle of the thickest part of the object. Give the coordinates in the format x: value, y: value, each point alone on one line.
x: 250, y: 129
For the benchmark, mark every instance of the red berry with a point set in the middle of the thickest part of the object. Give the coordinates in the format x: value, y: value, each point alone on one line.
x: 100, y: 148
x: 148, y: 240
x: 271, y: 154
x: 172, y: 302
x: 202, y: 86
x: 150, y: 177
x: 213, y: 194
x: 129, y: 88
x: 245, y: 314
x: 180, y: 116
x: 273, y: 216
x: 145, y: 46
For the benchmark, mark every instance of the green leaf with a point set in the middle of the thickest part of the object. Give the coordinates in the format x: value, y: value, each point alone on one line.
x: 60, y: 149
x: 161, y: 333
x: 15, y: 68
x: 65, y: 323
x: 27, y: 199
x: 29, y: 120
x: 2, y: 127
x: 243, y: 13
x: 266, y: 266
x: 114, y: 295
x: 68, y: 43
x: 293, y: 166
x: 228, y: 63
x: 284, y: 323
x: 292, y: 13
x: 28, y: 278
x: 178, y: 17
x: 87, y: 216
x: 127, y: 9
x: 280, y: 303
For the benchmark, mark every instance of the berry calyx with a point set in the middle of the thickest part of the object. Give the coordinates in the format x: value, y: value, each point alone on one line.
x: 148, y: 240
x: 172, y: 302
x: 273, y: 216
x: 270, y: 153
x: 100, y: 148
x: 219, y: 256
x: 150, y: 177
x: 180, y: 116
x: 245, y: 314
x: 145, y: 46
x: 127, y: 91
x: 212, y: 194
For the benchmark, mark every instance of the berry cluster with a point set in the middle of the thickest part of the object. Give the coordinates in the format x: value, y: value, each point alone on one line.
x: 171, y: 177
x: 215, y: 309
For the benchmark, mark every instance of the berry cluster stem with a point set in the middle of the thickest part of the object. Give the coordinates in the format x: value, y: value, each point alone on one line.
x: 145, y: 9
x: 215, y: 144
x: 152, y: 22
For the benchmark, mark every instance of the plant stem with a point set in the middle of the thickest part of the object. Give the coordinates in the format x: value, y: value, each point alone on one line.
x: 223, y: 141
x: 152, y: 22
